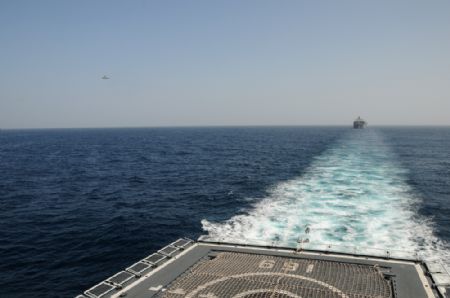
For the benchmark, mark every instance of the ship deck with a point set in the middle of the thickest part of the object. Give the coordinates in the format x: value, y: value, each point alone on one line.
x: 212, y: 270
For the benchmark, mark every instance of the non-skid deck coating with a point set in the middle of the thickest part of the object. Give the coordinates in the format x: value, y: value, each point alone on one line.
x: 214, y: 270
x: 230, y: 274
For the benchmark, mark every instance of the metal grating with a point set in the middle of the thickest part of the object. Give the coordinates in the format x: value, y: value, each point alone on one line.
x: 182, y: 243
x: 138, y: 268
x: 99, y: 290
x: 243, y: 275
x: 120, y: 278
x: 168, y: 251
x: 155, y: 258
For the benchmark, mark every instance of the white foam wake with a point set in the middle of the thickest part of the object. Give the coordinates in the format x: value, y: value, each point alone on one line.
x: 352, y: 196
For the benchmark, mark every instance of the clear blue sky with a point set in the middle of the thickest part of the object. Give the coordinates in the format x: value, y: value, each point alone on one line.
x: 223, y: 62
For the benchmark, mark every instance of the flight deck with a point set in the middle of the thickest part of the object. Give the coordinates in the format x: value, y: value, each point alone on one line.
x: 187, y: 268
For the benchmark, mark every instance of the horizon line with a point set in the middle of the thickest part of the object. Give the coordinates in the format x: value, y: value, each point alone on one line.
x: 224, y: 126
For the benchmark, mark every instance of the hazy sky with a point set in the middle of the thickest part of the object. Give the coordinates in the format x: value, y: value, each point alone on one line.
x: 223, y: 62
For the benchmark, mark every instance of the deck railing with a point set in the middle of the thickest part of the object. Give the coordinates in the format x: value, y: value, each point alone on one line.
x: 304, y: 244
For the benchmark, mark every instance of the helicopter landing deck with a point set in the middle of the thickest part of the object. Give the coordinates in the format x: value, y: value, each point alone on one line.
x: 214, y: 270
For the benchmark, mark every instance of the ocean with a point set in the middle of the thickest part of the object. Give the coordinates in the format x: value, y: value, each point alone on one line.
x: 78, y: 205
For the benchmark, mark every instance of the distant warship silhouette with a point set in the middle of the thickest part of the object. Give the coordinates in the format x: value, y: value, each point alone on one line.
x: 359, y: 123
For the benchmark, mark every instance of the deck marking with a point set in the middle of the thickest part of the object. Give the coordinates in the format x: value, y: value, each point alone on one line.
x: 157, y: 288
x: 290, y: 266
x: 243, y: 294
x: 266, y: 264
x: 209, y: 295
x: 213, y: 282
x: 178, y: 291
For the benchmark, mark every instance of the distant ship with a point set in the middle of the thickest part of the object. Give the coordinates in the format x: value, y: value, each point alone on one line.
x: 359, y: 123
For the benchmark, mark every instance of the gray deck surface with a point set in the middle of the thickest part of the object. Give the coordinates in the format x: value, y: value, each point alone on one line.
x: 210, y: 271
x: 231, y: 274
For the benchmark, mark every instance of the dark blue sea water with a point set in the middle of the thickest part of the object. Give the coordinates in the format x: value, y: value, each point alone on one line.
x: 76, y: 206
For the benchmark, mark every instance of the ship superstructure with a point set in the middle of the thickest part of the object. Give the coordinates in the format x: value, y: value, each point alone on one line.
x: 202, y: 269
x: 359, y: 123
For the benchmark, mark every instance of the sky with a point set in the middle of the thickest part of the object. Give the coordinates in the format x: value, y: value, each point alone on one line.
x: 195, y: 63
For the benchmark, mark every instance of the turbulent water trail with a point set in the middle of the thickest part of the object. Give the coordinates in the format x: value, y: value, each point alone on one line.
x: 354, y: 197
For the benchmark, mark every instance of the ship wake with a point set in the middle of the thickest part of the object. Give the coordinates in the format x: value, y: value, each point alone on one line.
x: 353, y: 198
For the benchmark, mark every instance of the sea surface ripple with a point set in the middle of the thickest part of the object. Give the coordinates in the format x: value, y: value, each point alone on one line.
x: 78, y: 205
